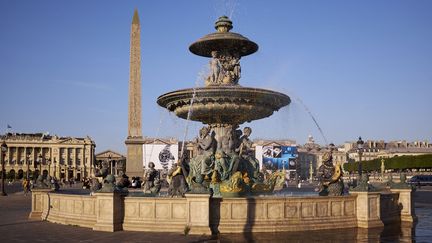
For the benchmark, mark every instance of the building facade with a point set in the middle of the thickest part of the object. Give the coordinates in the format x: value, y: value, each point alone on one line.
x: 116, y: 161
x: 374, y: 149
x: 60, y: 157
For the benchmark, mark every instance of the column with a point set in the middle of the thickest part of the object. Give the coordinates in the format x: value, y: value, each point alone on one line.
x: 8, y: 155
x: 25, y: 157
x: 51, y: 162
x: 67, y: 164
x: 86, y: 170
x: 76, y: 166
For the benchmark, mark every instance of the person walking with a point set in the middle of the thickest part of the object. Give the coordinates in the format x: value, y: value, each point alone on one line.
x: 26, y: 186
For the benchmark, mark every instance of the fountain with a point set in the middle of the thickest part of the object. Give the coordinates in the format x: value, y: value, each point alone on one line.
x: 226, y: 186
x: 227, y: 163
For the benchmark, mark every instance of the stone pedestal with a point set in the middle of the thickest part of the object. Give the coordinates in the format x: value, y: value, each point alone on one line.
x: 40, y: 201
x: 134, y: 157
x: 109, y: 211
x: 407, y: 203
x: 368, y: 209
x: 198, y: 218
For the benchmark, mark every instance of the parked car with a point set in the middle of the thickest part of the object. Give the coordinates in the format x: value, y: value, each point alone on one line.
x: 421, y: 180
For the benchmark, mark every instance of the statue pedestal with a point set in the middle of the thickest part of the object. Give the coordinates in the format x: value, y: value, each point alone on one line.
x: 40, y: 201
x: 134, y: 157
x: 109, y: 211
x: 368, y: 209
x: 198, y: 218
x: 407, y: 202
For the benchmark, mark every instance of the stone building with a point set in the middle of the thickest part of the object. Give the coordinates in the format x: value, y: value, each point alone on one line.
x: 116, y: 161
x: 374, y: 149
x: 60, y: 157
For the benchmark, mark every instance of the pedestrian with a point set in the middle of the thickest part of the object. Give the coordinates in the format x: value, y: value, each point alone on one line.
x: 26, y: 186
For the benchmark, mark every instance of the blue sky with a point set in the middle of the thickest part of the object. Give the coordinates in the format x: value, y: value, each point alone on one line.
x: 363, y: 68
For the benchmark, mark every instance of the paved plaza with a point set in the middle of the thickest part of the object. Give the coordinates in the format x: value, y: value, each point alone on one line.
x: 16, y: 227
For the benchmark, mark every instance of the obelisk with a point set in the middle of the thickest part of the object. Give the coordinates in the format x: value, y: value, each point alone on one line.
x: 134, y: 141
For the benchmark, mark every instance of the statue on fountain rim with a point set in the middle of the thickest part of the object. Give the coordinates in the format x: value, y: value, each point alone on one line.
x: 151, y: 184
x: 249, y: 163
x: 203, y: 163
x: 330, y: 177
x: 177, y: 178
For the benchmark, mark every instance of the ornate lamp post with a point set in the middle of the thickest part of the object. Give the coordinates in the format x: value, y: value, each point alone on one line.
x: 360, y: 144
x: 3, y: 154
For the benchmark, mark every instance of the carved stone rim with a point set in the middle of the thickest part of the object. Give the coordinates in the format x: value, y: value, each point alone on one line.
x: 224, y: 104
x: 221, y: 41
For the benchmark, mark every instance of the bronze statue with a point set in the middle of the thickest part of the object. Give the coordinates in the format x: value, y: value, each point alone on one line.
x: 247, y: 154
x: 202, y: 164
x: 123, y: 181
x: 42, y: 183
x: 177, y: 179
x: 151, y: 184
x: 330, y: 177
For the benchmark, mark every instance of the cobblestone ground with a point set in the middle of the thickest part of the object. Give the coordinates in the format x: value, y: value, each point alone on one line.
x: 15, y: 227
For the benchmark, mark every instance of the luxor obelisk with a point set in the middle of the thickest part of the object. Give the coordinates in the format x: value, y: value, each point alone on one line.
x: 134, y: 141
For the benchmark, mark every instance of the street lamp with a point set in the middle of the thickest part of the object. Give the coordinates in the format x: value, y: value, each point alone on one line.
x: 3, y: 154
x: 360, y: 144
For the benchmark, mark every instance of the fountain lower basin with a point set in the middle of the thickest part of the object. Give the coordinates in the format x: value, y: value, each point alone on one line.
x: 205, y: 215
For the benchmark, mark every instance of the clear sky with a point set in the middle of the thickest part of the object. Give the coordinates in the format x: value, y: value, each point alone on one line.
x: 363, y: 68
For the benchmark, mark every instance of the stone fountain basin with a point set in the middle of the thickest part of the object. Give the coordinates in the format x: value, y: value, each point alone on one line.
x: 206, y: 215
x: 224, y: 104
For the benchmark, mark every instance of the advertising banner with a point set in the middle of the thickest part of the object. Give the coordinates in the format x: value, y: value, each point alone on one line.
x: 162, y: 155
x: 279, y: 157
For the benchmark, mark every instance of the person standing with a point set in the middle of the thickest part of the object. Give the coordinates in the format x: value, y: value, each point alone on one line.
x: 26, y: 186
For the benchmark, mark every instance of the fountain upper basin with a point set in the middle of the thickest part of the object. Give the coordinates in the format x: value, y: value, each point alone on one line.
x: 224, y: 104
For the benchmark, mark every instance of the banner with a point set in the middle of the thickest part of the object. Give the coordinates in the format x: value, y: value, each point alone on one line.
x: 279, y: 157
x: 162, y: 155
